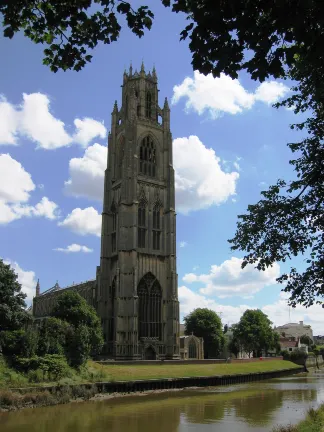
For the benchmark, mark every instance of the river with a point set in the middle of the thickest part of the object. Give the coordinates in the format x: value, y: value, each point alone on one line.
x: 241, y: 408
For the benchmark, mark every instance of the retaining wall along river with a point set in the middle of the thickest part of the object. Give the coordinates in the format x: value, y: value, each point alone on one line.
x: 170, y: 383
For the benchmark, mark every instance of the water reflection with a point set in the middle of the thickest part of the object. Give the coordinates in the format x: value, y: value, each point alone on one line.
x: 257, y: 406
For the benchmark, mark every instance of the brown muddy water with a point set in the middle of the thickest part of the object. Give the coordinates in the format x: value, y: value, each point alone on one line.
x: 247, y: 407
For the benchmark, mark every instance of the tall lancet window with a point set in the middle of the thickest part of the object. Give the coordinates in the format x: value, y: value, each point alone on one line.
x: 148, y: 105
x: 157, y: 227
x: 141, y: 230
x: 114, y: 228
x: 147, y: 159
x: 126, y: 107
x: 149, y: 311
x: 119, y: 157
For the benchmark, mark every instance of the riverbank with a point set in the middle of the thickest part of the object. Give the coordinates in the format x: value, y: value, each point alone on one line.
x: 164, y: 380
x: 314, y: 422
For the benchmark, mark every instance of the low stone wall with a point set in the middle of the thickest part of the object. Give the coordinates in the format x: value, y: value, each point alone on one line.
x: 161, y: 362
x: 311, y: 361
x: 256, y: 359
x: 169, y: 383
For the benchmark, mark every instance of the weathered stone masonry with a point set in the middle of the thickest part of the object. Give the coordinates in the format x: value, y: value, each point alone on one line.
x: 136, y: 289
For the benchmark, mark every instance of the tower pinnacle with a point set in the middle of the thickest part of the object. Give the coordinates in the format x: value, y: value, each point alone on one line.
x: 37, y: 288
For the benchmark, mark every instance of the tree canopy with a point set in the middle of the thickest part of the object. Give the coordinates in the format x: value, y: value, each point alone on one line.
x: 219, y: 31
x: 86, y: 337
x: 278, y: 38
x: 254, y: 333
x: 205, y: 323
x: 12, y: 300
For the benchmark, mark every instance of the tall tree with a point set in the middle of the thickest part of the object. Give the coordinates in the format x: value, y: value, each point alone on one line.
x: 254, y: 332
x: 13, y: 315
x: 205, y: 323
x: 87, y: 336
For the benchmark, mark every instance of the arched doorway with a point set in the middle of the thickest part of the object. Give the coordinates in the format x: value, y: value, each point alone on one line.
x: 149, y: 353
x: 149, y: 307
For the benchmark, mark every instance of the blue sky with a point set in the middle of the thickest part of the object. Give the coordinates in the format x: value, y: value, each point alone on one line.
x: 229, y: 144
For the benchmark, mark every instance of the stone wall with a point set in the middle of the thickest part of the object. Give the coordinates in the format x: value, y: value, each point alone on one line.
x: 44, y: 303
x: 256, y: 359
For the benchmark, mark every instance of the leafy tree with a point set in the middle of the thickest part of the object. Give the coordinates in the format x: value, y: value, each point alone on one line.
x: 13, y: 315
x: 18, y: 343
x: 225, y: 328
x: 85, y: 335
x: 205, y: 323
x: 254, y: 333
x: 235, y: 345
x: 306, y: 340
x: 53, y: 336
x: 219, y: 32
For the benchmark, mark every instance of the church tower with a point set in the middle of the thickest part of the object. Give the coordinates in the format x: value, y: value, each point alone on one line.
x: 137, y: 289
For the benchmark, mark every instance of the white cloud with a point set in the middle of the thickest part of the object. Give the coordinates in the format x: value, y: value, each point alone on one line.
x: 183, y: 244
x: 83, y: 221
x: 190, y: 300
x: 270, y: 92
x: 74, y: 248
x: 88, y: 129
x: 8, y: 122
x: 16, y: 185
x: 33, y: 120
x: 26, y: 279
x: 198, y: 185
x: 200, y: 181
x: 263, y: 184
x: 224, y: 94
x: 277, y: 312
x: 229, y: 279
x: 87, y: 173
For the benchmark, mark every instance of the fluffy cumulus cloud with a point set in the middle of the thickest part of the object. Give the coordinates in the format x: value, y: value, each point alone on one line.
x: 229, y: 279
x: 83, y: 221
x: 16, y: 186
x: 200, y: 185
x: 277, y: 312
x: 87, y: 173
x: 26, y: 279
x: 73, y: 248
x: 183, y: 244
x: 33, y: 119
x: 224, y: 94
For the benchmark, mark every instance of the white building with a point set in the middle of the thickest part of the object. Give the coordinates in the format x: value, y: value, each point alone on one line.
x: 295, y: 330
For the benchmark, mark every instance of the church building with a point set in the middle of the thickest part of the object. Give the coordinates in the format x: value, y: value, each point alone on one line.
x: 135, y: 291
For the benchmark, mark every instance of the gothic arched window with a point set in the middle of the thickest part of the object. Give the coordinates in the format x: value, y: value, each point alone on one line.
x: 192, y: 349
x: 156, y: 227
x: 149, y: 307
x: 126, y: 107
x: 113, y: 228
x: 148, y: 105
x: 147, y: 159
x: 141, y: 230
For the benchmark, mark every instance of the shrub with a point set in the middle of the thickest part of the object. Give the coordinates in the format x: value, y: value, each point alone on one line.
x: 8, y: 398
x: 19, y: 343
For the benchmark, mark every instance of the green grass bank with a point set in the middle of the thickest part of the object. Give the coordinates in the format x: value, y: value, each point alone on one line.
x: 94, y: 372
x: 20, y: 390
x: 314, y: 422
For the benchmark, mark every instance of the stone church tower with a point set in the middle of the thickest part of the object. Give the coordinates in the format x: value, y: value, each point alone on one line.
x: 137, y: 290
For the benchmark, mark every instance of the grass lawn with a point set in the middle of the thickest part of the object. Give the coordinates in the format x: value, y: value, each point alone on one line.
x: 134, y: 372
x: 94, y: 372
